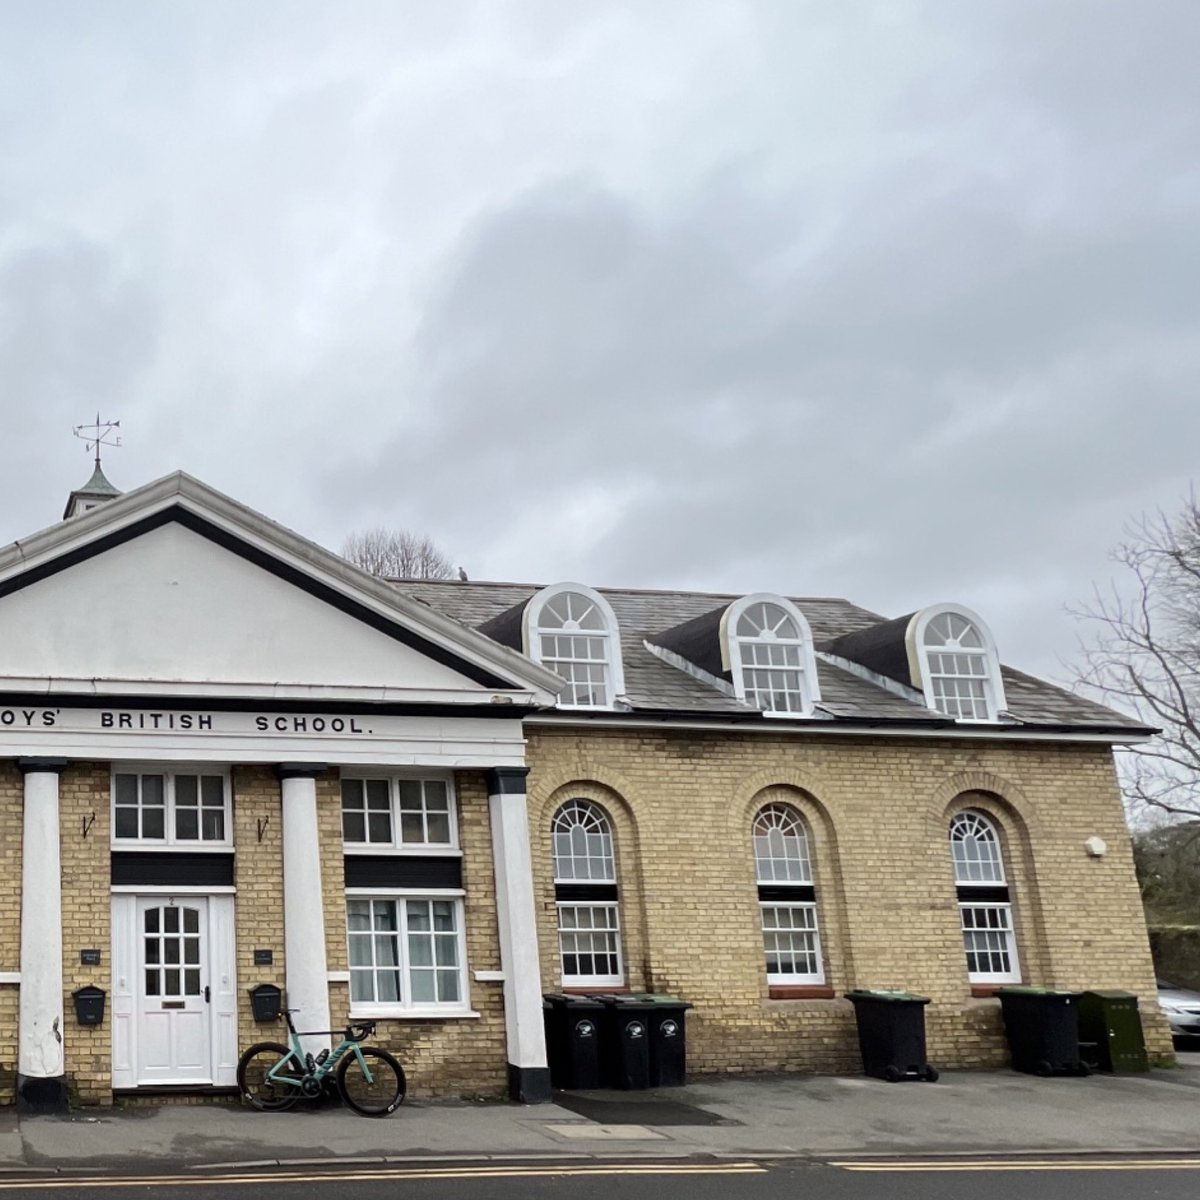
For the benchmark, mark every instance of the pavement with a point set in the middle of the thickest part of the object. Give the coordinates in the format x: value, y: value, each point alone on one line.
x: 965, y: 1113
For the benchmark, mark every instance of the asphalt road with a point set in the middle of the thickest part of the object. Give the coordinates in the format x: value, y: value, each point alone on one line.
x: 1055, y: 1179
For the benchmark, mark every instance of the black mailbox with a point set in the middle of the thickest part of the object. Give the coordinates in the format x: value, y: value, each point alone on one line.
x: 89, y: 1005
x: 266, y: 1000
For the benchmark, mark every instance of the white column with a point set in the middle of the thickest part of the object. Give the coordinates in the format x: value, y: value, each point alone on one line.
x: 303, y: 903
x: 41, y: 1080
x: 528, y: 1074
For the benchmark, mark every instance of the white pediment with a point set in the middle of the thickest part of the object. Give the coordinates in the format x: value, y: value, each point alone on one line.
x: 170, y: 605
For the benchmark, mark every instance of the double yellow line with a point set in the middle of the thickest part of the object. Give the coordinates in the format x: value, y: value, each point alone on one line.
x: 432, y: 1174
x: 950, y: 1166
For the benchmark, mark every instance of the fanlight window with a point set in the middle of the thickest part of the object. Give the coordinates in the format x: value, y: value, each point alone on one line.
x: 962, y: 674
x: 572, y: 631
x: 787, y: 900
x: 984, y: 902
x: 582, y: 844
x: 769, y: 654
x: 975, y: 849
x: 781, y: 846
x: 586, y: 896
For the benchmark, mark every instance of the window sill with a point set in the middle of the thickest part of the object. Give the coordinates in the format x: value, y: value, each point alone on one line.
x: 793, y: 991
x: 374, y: 1012
x: 383, y: 849
x: 173, y: 847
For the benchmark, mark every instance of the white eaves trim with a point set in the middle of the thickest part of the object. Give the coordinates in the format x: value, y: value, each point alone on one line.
x: 280, y: 543
x: 968, y: 730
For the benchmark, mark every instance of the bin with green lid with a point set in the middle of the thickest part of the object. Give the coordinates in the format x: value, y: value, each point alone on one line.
x: 666, y: 1025
x: 1110, y: 1021
x: 891, y: 1034
x: 1042, y: 1026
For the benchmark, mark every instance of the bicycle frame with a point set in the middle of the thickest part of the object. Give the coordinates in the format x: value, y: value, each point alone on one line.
x: 310, y: 1069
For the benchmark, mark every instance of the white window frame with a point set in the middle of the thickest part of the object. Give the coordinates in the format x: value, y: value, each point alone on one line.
x: 532, y: 631
x: 397, y: 847
x: 582, y: 981
x: 923, y: 676
x: 408, y: 1008
x: 781, y: 978
x: 1013, y: 974
x: 735, y: 662
x: 170, y: 841
x: 614, y: 906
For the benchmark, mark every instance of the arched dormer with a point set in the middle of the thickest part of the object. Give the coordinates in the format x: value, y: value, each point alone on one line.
x: 952, y: 658
x: 572, y: 630
x: 767, y: 648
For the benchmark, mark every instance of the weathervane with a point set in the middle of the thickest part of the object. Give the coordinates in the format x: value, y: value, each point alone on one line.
x: 98, y: 434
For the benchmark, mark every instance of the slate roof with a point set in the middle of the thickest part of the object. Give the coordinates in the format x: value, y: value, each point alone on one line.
x: 654, y: 686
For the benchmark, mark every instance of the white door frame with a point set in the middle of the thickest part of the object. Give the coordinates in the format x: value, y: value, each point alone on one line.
x: 220, y: 972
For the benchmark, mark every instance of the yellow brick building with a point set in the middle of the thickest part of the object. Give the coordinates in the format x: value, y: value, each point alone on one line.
x: 229, y: 759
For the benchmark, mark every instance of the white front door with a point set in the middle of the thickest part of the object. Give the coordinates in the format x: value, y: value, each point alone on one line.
x: 174, y: 1018
x: 174, y: 993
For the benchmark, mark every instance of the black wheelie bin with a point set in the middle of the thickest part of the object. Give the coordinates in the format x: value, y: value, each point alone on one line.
x: 891, y: 1035
x: 1042, y: 1026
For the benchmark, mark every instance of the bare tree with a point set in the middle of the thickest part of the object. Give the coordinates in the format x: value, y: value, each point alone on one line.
x: 1144, y: 655
x: 397, y: 554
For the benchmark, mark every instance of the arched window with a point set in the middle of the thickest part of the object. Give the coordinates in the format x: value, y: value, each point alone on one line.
x: 586, y: 895
x: 572, y: 630
x: 956, y: 663
x: 766, y: 646
x: 786, y: 897
x: 984, y: 903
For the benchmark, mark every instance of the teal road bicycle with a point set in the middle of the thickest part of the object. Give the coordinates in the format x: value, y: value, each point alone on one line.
x: 272, y: 1077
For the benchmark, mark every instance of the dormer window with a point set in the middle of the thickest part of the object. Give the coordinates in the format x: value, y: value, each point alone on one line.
x: 766, y: 646
x: 955, y: 662
x: 571, y: 630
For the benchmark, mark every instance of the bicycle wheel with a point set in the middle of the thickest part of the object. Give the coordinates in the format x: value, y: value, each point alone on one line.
x: 376, y: 1091
x: 256, y: 1088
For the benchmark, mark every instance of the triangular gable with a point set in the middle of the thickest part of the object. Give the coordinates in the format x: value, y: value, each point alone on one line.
x: 176, y: 582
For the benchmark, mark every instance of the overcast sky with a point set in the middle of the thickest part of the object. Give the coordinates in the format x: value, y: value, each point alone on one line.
x: 895, y: 301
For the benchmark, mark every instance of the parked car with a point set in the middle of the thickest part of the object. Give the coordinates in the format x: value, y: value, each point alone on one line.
x: 1182, y: 1008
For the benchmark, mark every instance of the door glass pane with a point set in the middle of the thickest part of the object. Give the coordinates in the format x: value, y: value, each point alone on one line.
x: 191, y: 920
x: 152, y: 958
x: 152, y: 920
x: 171, y: 950
x: 191, y: 950
x: 151, y: 982
x: 170, y: 920
x: 191, y: 981
x: 170, y: 981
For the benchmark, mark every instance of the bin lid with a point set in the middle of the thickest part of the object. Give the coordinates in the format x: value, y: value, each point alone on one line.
x: 1030, y: 990
x: 659, y: 998
x: 1110, y: 995
x: 889, y: 995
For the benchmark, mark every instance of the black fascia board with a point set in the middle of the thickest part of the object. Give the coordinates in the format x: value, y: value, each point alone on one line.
x: 260, y: 558
x: 266, y: 707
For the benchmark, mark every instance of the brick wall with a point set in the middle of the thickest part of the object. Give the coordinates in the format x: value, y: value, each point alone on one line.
x: 84, y: 790
x: 12, y: 791
x: 682, y: 805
